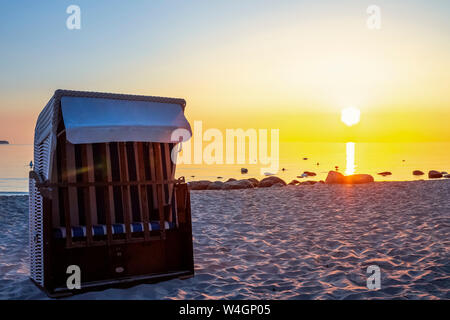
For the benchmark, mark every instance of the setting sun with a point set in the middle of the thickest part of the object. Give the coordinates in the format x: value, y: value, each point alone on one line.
x: 350, y: 116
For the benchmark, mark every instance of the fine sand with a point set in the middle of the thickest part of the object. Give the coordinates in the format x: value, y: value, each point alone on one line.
x: 295, y: 242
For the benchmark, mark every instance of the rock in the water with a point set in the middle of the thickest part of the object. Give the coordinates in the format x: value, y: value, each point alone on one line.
x: 238, y: 184
x: 385, y: 173
x: 216, y: 185
x: 433, y: 174
x: 338, y: 178
x: 309, y: 174
x: 244, y: 170
x: 254, y: 181
x: 418, y: 173
x: 270, y: 181
x: 199, y: 185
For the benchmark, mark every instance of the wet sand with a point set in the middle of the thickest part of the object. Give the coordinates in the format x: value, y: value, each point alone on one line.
x: 294, y: 242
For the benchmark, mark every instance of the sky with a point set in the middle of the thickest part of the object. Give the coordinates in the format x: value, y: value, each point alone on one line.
x: 288, y: 65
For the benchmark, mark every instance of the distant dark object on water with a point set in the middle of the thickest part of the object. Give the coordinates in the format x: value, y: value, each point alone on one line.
x: 283, y: 169
x: 305, y: 158
x: 433, y: 174
x: 403, y: 160
x: 317, y: 164
x: 244, y: 170
x: 385, y: 173
x: 4, y: 142
x: 309, y: 173
x: 31, y: 164
x: 336, y: 167
x: 219, y: 177
x: 418, y: 173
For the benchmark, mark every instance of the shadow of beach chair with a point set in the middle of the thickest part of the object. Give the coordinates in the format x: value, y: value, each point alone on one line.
x: 103, y: 194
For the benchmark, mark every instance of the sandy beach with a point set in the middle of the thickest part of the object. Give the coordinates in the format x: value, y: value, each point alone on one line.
x: 294, y: 242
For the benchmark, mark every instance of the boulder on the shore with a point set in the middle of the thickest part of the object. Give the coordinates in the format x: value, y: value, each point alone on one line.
x: 254, y: 181
x: 338, y: 178
x: 231, y: 179
x: 293, y: 182
x: 270, y: 181
x: 444, y: 173
x: 359, y: 178
x: 238, y: 184
x: 199, y: 185
x: 385, y: 173
x: 418, y: 173
x: 308, y: 183
x: 447, y: 176
x: 433, y: 174
x: 216, y: 185
x: 277, y: 185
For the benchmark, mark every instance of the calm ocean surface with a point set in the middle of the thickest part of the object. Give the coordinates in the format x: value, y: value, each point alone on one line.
x: 399, y: 158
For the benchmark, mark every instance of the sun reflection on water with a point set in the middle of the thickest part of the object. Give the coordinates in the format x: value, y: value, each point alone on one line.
x: 350, y: 152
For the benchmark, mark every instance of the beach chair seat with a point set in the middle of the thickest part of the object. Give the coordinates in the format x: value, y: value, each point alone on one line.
x: 117, y: 228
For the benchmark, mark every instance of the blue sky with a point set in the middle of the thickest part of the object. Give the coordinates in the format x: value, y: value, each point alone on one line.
x: 117, y: 34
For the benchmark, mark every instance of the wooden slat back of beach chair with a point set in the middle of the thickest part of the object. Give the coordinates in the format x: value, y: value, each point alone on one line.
x: 117, y: 182
x: 140, y: 169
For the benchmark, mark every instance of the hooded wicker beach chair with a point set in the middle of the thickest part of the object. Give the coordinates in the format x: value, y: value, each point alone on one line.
x: 103, y: 194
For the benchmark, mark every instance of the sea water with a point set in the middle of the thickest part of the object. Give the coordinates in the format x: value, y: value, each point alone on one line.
x: 295, y: 157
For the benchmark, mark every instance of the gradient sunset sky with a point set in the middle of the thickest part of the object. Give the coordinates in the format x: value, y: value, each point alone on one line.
x: 291, y: 65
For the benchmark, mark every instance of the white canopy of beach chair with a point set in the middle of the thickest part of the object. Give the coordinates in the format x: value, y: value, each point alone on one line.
x: 96, y: 117
x: 94, y: 120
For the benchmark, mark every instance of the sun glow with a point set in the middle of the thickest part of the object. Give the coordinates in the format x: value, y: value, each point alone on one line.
x: 350, y: 116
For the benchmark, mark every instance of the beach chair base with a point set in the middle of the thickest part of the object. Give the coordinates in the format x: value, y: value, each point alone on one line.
x: 122, y: 283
